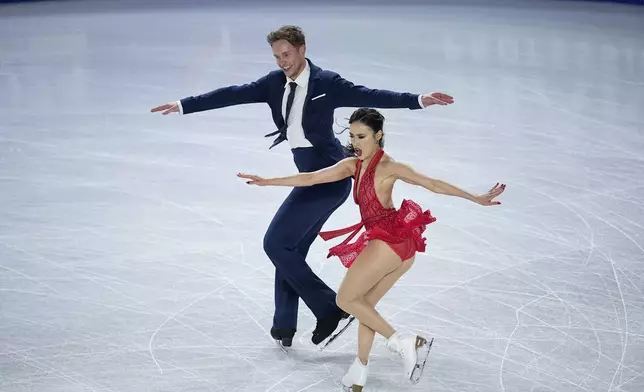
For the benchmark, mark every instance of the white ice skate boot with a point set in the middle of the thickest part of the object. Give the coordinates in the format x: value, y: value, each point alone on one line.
x: 414, y: 350
x: 356, y: 377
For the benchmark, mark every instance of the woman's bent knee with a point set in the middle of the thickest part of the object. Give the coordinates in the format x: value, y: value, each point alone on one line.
x: 344, y: 301
x: 341, y: 303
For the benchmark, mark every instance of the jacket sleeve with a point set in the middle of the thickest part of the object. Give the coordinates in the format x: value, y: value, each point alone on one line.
x: 347, y: 94
x: 254, y: 92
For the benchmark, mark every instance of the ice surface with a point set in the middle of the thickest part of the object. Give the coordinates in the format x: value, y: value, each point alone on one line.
x: 131, y: 256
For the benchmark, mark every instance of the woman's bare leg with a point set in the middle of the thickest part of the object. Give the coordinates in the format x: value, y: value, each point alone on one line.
x: 365, y: 271
x: 375, y: 262
x: 366, y: 335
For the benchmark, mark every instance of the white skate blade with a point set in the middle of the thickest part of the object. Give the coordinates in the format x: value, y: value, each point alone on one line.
x: 281, y: 346
x: 323, y: 344
x: 423, y: 353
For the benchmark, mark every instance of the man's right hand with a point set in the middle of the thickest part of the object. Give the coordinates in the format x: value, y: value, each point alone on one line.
x: 168, y: 108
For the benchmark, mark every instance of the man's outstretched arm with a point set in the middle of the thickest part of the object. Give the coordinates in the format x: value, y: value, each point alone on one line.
x: 253, y: 92
x: 348, y: 94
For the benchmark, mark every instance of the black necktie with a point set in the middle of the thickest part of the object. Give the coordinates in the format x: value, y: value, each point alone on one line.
x: 282, y: 130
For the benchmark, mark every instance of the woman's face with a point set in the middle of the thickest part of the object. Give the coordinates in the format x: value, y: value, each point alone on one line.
x: 363, y: 139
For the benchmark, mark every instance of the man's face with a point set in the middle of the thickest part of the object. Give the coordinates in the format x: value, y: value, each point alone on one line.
x: 289, y: 58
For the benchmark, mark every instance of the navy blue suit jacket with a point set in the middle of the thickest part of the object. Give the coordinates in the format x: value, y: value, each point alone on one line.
x: 317, y: 115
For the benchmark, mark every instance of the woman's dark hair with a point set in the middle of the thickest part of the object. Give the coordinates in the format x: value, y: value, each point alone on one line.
x: 371, y: 118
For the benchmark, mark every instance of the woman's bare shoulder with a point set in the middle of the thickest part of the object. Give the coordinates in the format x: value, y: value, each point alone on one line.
x: 391, y: 167
x: 387, y: 162
x: 349, y: 163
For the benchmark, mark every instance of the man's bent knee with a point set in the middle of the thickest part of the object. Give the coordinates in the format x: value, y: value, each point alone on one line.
x: 274, y: 246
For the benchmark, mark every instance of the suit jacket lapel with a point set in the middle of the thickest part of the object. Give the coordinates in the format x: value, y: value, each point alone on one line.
x: 280, y: 100
x: 313, y: 77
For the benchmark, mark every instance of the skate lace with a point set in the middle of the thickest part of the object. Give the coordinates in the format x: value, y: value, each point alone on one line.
x: 397, y: 350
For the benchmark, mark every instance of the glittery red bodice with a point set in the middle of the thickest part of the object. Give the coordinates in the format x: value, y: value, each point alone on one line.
x: 401, y: 229
x: 364, y: 195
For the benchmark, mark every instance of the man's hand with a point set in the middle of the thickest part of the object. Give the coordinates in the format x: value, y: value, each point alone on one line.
x: 436, y: 99
x: 168, y: 108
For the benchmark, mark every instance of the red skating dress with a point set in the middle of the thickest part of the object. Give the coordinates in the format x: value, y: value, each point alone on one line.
x: 401, y: 229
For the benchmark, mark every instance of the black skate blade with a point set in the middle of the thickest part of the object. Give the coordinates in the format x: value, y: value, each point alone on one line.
x: 333, y: 337
x: 420, y: 364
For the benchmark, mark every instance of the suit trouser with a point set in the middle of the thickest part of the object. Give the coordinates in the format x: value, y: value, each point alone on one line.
x: 289, y: 237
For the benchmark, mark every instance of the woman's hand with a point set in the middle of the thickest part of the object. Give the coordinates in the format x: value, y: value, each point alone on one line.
x: 254, y: 180
x: 487, y: 199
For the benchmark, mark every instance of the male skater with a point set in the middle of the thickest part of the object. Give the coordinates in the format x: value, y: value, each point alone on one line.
x: 302, y: 98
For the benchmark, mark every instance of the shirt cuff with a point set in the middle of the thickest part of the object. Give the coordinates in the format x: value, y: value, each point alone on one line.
x: 180, y: 107
x: 420, y: 102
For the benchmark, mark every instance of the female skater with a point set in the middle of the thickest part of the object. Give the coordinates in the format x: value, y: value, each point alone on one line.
x: 386, y: 250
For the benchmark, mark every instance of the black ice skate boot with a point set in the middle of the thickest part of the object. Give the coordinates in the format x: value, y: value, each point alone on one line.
x: 283, y: 335
x: 325, y: 326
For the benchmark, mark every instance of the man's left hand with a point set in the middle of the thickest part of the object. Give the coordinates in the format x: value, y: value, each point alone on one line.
x: 437, y: 99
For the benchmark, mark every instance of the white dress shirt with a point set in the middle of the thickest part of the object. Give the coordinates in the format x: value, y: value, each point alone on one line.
x: 294, y: 130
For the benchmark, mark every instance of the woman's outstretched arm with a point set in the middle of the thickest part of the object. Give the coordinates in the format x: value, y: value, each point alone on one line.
x: 409, y: 175
x: 337, y: 172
